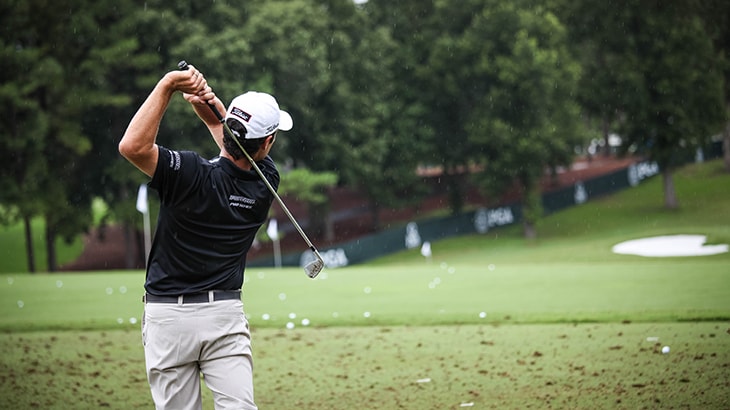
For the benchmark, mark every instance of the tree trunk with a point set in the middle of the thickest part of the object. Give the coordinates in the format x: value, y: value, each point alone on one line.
x: 51, y: 246
x: 29, y: 250
x: 670, y: 196
x: 529, y: 230
x: 726, y: 146
x: 455, y: 190
x: 531, y: 207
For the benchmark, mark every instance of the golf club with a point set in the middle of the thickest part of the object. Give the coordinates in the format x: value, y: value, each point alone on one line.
x: 313, y: 268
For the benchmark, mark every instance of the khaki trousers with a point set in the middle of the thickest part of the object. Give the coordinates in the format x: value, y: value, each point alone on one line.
x: 181, y: 341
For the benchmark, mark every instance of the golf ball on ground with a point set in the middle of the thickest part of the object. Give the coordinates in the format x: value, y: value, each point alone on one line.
x: 665, y: 349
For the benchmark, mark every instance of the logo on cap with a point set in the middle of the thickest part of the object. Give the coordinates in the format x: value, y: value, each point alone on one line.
x: 241, y: 114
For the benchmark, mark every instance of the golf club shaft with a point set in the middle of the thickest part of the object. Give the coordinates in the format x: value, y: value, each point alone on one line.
x: 184, y: 66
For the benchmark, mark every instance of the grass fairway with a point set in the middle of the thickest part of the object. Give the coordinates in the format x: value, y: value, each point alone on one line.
x: 490, y: 322
x: 582, y: 366
x: 434, y: 294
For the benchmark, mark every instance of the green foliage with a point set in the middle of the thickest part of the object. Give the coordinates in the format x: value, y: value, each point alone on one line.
x: 679, y: 104
x: 306, y: 185
x: 311, y: 188
x: 656, y: 74
x: 375, y: 90
x: 514, y: 94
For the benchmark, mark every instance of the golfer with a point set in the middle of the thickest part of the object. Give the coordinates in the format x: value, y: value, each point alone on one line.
x: 210, y: 211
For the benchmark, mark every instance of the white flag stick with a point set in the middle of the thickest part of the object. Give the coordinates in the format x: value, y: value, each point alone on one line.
x: 144, y: 209
x: 273, y: 231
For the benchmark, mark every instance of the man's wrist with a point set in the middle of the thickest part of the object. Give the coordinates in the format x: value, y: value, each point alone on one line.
x: 167, y: 85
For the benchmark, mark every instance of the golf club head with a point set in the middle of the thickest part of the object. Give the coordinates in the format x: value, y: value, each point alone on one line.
x: 313, y: 268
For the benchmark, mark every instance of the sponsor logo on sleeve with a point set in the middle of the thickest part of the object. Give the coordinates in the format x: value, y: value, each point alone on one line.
x: 175, y: 160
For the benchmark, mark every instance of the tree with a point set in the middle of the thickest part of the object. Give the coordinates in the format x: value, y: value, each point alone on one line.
x: 716, y: 15
x: 506, y: 81
x: 652, y: 69
x: 21, y: 143
x: 678, y: 104
x: 67, y: 88
x: 595, y: 38
x: 424, y: 80
x: 45, y: 113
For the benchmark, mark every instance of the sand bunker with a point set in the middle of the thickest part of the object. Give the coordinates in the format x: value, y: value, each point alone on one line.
x: 672, y: 245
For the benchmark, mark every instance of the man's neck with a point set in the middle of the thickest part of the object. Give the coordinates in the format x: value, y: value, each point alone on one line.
x: 242, y: 163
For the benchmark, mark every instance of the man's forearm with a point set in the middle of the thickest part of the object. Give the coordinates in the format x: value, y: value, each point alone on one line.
x: 138, y: 142
x: 211, y: 120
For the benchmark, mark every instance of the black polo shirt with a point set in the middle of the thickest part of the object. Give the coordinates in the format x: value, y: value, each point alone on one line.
x: 210, y: 212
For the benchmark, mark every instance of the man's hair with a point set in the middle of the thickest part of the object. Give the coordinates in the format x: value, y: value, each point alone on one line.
x: 250, y: 145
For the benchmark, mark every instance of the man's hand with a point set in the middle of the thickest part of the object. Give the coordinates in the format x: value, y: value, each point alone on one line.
x: 203, y: 97
x: 190, y: 82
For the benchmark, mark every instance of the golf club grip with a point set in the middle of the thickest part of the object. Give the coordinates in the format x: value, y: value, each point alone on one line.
x: 183, y: 65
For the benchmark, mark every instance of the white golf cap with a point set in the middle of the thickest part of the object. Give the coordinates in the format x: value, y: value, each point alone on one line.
x: 259, y: 113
